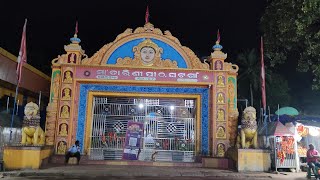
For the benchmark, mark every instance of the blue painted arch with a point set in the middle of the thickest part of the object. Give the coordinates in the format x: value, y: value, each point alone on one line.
x: 125, y: 50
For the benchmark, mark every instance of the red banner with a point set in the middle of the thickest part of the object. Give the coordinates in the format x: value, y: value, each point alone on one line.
x: 147, y: 15
x: 22, y: 58
x: 263, y: 80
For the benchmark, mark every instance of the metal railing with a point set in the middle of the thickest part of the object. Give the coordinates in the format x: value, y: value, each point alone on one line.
x: 169, y: 128
x: 5, y: 138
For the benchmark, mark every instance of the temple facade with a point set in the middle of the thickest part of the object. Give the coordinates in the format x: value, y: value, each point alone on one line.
x: 186, y: 108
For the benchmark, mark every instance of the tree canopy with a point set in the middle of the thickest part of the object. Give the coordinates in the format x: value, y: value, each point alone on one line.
x: 292, y: 32
x: 249, y: 82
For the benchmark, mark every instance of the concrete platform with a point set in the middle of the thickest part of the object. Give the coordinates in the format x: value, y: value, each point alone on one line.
x: 140, y: 172
x: 253, y: 160
x: 218, y: 163
x: 22, y: 157
x: 59, y: 159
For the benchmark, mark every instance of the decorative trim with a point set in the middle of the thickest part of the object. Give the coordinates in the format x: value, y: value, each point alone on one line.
x: 232, y: 91
x: 203, y: 92
x: 138, y: 61
x: 221, y: 132
x: 148, y: 31
x: 55, y: 84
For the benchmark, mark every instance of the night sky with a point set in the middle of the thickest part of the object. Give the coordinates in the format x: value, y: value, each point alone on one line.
x: 194, y: 23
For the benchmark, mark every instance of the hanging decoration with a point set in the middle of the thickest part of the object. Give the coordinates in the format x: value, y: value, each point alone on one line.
x: 285, y: 146
x: 302, y: 151
x: 302, y: 130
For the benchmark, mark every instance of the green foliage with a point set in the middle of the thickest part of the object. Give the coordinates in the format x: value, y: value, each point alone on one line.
x: 292, y: 30
x: 249, y: 74
x: 249, y: 64
x: 277, y: 89
x: 307, y: 101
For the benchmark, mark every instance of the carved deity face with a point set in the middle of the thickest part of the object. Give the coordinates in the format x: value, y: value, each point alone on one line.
x: 231, y: 86
x: 68, y: 74
x: 65, y: 108
x: 221, y: 132
x: 61, y: 143
x: 147, y: 55
x: 218, y: 65
x: 67, y: 92
x: 220, y: 146
x: 63, y: 127
x: 57, y: 77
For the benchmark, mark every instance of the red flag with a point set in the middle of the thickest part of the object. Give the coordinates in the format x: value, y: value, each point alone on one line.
x: 76, y: 29
x: 22, y: 58
x: 218, y: 36
x: 147, y: 15
x: 263, y: 79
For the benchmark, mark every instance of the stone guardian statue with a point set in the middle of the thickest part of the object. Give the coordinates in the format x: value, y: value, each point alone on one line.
x: 32, y: 134
x: 248, y: 133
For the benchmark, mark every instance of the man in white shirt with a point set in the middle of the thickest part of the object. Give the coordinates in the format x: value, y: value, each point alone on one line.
x: 74, y: 151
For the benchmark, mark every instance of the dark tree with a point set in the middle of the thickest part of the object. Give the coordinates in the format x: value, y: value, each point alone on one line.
x: 292, y: 31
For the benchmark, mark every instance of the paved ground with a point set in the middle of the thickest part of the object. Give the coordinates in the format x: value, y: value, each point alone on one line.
x: 140, y: 172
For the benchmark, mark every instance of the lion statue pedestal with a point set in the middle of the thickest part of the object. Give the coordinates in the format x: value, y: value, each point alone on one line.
x: 31, y: 153
x: 248, y: 157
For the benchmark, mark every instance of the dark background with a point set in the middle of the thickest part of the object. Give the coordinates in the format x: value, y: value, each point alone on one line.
x: 194, y: 23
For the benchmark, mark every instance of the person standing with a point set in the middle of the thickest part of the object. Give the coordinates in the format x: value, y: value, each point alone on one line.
x: 74, y: 151
x: 312, y: 160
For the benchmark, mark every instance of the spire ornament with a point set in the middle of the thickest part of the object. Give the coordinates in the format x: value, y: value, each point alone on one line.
x: 147, y: 16
x: 75, y: 39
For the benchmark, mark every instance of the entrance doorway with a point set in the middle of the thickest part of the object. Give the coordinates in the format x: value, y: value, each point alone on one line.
x: 169, y: 128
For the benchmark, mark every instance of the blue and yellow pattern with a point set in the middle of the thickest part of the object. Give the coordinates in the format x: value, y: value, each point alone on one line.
x: 125, y: 50
x: 203, y: 92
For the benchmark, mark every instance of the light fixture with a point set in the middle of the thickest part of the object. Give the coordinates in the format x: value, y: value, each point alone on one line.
x: 313, y: 131
x: 171, y: 108
x: 141, y: 105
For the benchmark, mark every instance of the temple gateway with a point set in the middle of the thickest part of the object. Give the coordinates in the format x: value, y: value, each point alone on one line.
x: 142, y: 97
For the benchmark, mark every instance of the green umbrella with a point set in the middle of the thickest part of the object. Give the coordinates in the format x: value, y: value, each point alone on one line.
x: 288, y: 111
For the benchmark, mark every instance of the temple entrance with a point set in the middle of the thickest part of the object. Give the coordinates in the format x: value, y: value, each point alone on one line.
x: 169, y: 128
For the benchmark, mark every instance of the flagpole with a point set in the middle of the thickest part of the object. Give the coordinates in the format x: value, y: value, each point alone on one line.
x: 22, y: 59
x: 8, y: 99
x: 263, y: 89
x: 14, y: 109
x: 278, y: 112
x: 269, y: 113
x: 39, y: 100
x: 146, y: 18
x: 17, y: 111
x: 266, y: 124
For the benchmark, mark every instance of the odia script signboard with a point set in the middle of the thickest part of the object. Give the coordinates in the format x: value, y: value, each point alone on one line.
x: 164, y: 75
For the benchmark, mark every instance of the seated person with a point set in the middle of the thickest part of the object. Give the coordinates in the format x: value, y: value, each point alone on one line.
x: 74, y: 151
x: 312, y: 160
